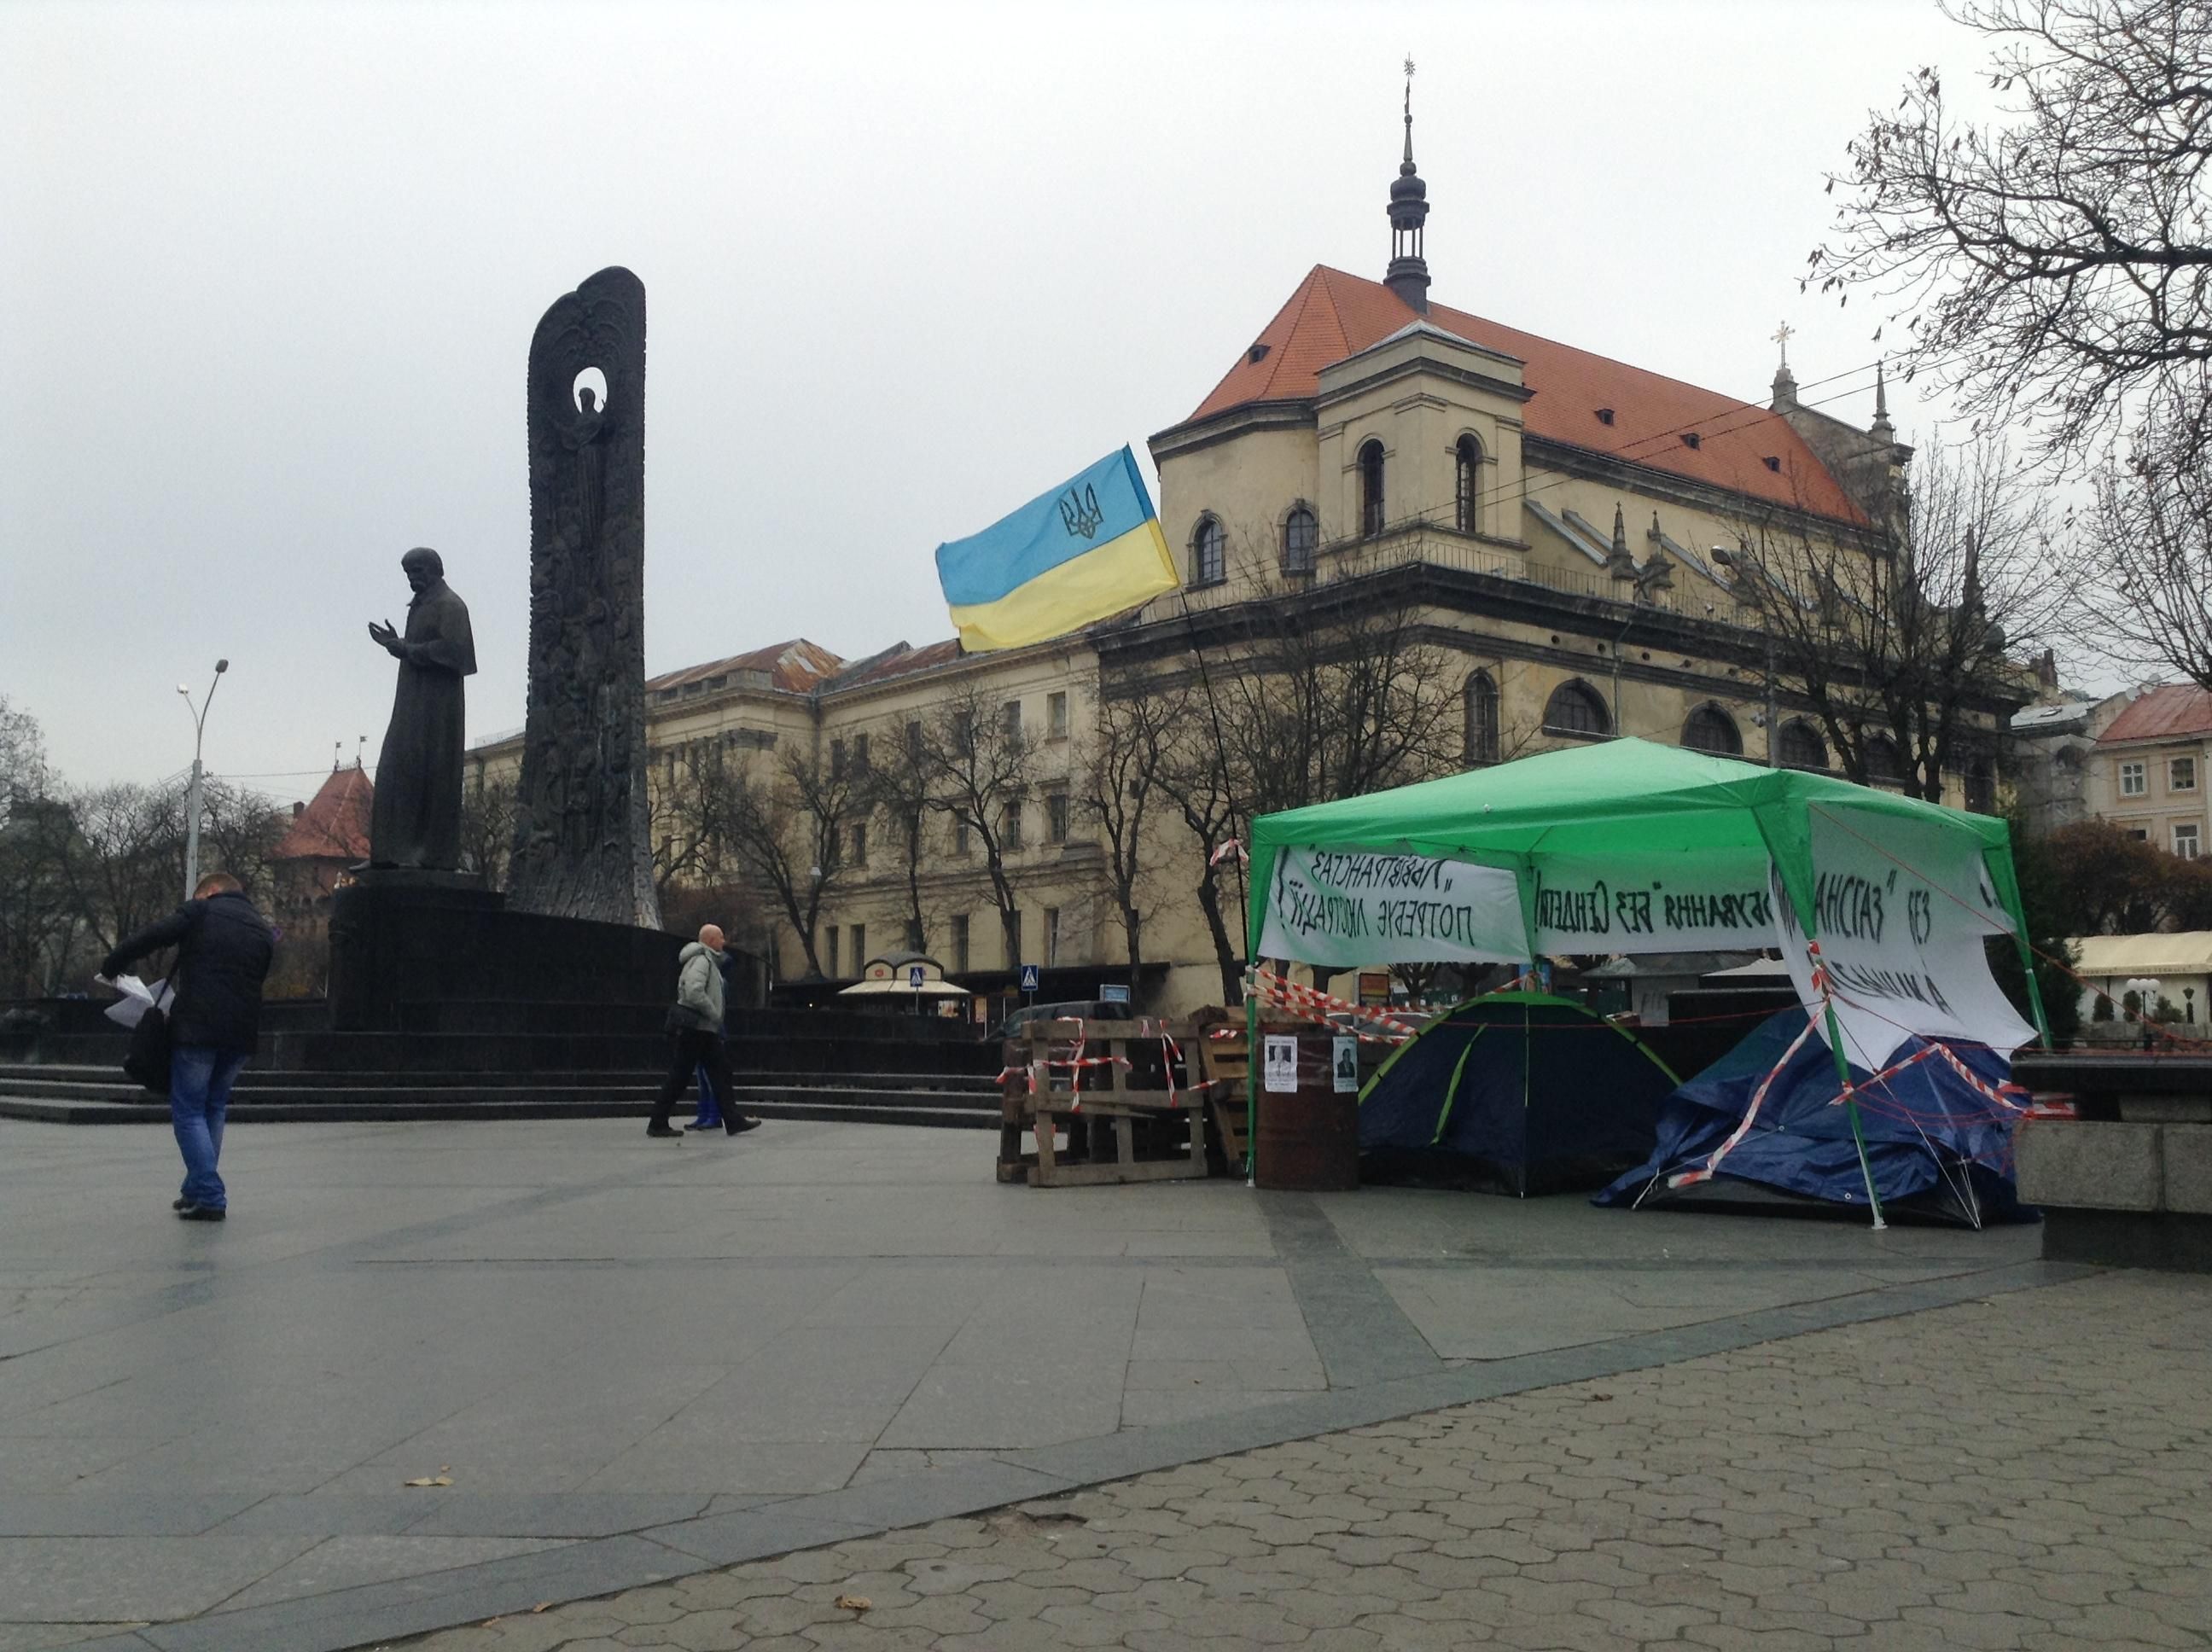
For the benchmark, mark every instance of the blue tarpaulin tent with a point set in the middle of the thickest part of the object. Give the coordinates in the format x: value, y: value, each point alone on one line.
x: 1521, y: 1091
x: 1766, y: 1120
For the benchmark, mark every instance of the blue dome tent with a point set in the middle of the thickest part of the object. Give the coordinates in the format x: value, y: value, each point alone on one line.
x: 1764, y: 1123
x: 1518, y: 1092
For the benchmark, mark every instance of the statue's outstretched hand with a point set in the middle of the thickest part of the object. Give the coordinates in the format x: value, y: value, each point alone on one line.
x: 384, y: 636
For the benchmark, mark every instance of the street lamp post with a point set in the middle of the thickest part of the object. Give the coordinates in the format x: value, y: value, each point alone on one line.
x: 193, y: 797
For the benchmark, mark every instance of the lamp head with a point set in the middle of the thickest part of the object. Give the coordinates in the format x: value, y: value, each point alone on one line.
x: 1722, y: 557
x: 185, y: 691
x: 221, y: 666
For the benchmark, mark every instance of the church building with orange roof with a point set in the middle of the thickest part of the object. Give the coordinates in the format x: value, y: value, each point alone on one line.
x: 1552, y: 528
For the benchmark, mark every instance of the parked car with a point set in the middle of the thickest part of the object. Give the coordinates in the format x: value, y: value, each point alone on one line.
x: 1084, y: 1009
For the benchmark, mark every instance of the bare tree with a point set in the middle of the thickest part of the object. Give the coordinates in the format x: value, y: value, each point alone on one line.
x: 1300, y: 700
x: 1894, y: 640
x: 2052, y: 262
x: 978, y: 761
x: 899, y: 779
x: 487, y: 828
x: 783, y: 820
x: 1118, y: 771
x: 2144, y: 563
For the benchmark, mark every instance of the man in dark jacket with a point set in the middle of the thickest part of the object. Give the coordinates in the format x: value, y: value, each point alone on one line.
x: 224, y: 948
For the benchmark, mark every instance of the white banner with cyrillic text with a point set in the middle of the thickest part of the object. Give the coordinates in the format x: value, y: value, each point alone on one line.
x: 1902, y: 908
x: 1704, y: 901
x: 1342, y: 908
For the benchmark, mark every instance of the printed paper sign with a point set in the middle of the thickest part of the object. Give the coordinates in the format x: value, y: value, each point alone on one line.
x: 1342, y: 908
x: 1902, y: 909
x: 1281, y: 1069
x: 1698, y: 902
x: 1345, y: 1065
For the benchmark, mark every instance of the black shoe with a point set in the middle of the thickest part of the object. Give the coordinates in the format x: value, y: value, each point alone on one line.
x: 663, y: 1130
x: 202, y: 1213
x: 178, y: 1204
x: 698, y: 1126
x: 738, y: 1127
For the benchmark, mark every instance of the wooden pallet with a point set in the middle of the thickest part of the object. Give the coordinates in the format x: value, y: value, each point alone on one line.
x: 1226, y: 1061
x: 1098, y: 1107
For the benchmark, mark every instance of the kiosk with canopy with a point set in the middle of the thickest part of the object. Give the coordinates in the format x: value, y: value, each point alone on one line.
x: 1880, y: 904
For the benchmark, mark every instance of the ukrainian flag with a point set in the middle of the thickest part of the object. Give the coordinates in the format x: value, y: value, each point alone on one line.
x: 1090, y: 549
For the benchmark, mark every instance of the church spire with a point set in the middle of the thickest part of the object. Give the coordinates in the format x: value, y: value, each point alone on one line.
x: 1409, y: 274
x: 1881, y: 429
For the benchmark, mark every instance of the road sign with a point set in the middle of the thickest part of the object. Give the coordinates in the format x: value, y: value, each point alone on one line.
x: 1029, y: 978
x: 914, y: 975
x: 1109, y: 994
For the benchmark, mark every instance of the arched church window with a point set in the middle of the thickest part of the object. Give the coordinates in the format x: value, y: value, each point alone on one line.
x: 1801, y: 745
x: 1575, y: 708
x: 1711, y: 729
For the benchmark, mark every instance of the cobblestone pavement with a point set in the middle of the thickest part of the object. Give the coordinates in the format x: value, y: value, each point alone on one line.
x: 2030, y: 1471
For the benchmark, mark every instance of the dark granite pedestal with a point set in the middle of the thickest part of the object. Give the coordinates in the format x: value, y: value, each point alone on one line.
x: 401, y: 939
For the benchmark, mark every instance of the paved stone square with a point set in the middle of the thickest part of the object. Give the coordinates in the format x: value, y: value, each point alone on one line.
x: 624, y: 1362
x: 2031, y: 1470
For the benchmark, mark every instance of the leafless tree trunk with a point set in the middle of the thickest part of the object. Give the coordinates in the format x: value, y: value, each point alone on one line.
x: 1119, y: 773
x: 978, y: 759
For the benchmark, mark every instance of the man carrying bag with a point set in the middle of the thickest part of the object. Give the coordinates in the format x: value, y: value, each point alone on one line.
x: 694, y: 1028
x: 223, y: 950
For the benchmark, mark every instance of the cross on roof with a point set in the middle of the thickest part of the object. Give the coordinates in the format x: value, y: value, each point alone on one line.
x: 1783, y: 335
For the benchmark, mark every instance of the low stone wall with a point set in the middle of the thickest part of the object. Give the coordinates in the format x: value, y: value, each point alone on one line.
x: 2129, y: 1193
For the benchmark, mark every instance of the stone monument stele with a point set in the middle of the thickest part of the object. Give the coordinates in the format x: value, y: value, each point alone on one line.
x: 415, y: 822
x: 582, y: 847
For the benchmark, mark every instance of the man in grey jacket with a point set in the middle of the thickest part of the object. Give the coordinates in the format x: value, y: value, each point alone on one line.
x: 695, y: 1027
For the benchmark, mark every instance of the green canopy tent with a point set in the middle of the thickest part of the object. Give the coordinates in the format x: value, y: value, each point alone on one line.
x: 1878, y: 902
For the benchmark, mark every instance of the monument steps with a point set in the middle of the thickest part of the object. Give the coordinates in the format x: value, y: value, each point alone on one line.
x: 102, y: 1096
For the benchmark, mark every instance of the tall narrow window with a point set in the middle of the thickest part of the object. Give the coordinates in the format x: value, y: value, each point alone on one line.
x: 1010, y: 828
x: 960, y: 944
x: 1051, y: 936
x: 1371, y: 488
x: 1301, y: 536
x: 1466, y: 472
x: 1981, y: 787
x: 1056, y: 817
x: 1013, y: 928
x: 1481, y: 719
x: 1209, y: 554
x: 1055, y: 715
x: 859, y: 948
x: 833, y: 951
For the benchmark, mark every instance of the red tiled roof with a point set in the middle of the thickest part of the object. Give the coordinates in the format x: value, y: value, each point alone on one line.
x: 1332, y: 315
x: 2171, y: 710
x: 797, y: 665
x: 334, y: 826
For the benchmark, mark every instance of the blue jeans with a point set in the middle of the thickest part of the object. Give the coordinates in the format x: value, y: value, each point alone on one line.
x: 710, y: 1116
x: 200, y: 1079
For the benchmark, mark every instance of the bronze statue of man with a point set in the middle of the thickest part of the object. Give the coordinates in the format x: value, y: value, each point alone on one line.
x: 416, y: 819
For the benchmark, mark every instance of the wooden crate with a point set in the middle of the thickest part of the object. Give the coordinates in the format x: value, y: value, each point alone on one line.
x: 1098, y: 1108
x: 1223, y: 1055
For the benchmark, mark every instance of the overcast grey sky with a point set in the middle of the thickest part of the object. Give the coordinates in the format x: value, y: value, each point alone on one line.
x: 269, y: 274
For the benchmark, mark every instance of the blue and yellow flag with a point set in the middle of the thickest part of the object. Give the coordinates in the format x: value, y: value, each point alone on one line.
x: 1088, y: 550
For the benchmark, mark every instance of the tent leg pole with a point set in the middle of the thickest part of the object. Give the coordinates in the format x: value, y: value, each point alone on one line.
x: 1252, y: 1070
x: 1851, y: 1108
